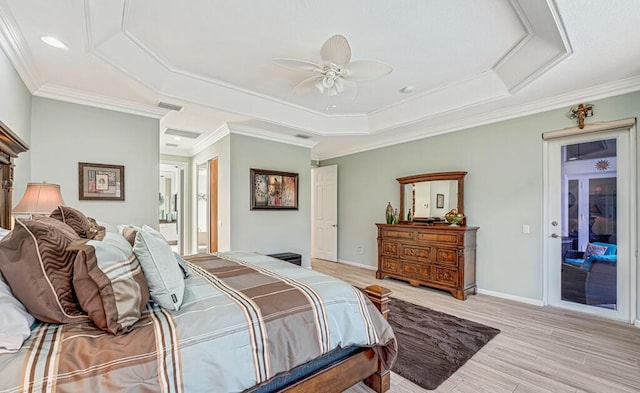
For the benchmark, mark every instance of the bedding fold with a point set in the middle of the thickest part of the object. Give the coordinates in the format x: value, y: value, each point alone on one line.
x: 245, y: 319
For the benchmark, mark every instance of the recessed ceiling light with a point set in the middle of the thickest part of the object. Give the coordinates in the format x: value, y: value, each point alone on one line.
x: 407, y: 90
x: 177, y: 138
x: 53, y: 41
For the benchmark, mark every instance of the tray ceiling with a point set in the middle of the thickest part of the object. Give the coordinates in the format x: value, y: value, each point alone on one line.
x: 467, y: 63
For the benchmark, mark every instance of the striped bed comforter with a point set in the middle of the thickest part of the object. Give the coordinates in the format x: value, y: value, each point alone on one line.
x: 245, y: 318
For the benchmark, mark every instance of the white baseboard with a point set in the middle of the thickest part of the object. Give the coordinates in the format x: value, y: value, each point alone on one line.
x: 357, y: 264
x: 482, y: 291
x: 520, y: 299
x: 637, y: 324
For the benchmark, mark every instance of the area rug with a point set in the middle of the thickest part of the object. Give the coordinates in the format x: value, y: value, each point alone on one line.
x: 432, y: 345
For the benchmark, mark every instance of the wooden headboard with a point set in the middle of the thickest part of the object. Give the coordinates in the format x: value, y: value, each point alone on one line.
x: 10, y: 147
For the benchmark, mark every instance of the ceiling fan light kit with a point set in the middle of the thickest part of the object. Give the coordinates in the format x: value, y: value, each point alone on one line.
x: 336, y: 73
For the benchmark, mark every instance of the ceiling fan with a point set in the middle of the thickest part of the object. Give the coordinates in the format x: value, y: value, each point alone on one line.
x: 335, y: 73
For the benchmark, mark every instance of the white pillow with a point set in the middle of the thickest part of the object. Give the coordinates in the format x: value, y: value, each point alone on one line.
x: 3, y: 233
x: 160, y: 268
x: 107, y: 227
x: 15, y: 321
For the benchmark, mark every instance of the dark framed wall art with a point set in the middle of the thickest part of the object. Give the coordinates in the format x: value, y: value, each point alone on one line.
x: 273, y: 189
x: 100, y: 182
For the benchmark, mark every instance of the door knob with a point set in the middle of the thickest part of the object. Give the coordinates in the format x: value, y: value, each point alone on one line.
x: 555, y: 235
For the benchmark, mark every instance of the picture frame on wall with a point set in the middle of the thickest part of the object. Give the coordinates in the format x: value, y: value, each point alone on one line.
x: 273, y: 190
x: 100, y: 182
x: 439, y: 201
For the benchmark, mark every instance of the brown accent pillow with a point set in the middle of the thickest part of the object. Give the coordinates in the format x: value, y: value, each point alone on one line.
x: 129, y: 232
x: 98, y: 231
x: 109, y: 283
x: 75, y: 219
x: 67, y: 231
x: 36, y: 264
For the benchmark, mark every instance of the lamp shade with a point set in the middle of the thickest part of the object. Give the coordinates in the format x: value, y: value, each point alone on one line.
x: 39, y: 198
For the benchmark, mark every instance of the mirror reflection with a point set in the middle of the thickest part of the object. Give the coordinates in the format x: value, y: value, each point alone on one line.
x: 167, y: 201
x: 431, y: 198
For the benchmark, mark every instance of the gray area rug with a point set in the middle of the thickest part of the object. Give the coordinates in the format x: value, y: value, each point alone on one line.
x: 432, y: 345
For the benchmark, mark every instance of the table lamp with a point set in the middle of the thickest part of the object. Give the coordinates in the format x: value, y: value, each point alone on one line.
x: 39, y: 198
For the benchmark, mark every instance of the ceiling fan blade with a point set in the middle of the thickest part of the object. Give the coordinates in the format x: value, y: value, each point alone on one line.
x: 297, y: 64
x: 336, y: 50
x: 366, y: 70
x: 306, y: 85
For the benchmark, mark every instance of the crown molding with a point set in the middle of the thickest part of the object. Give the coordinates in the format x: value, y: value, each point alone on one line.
x: 531, y: 16
x: 12, y: 43
x: 270, y: 135
x: 599, y: 92
x: 238, y: 129
x: 536, y: 23
x: 99, y: 101
x: 210, y: 139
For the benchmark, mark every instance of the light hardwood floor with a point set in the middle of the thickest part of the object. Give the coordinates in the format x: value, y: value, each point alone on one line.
x: 539, y: 349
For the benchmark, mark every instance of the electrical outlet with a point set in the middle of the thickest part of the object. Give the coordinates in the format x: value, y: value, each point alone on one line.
x: 526, y: 229
x: 360, y: 250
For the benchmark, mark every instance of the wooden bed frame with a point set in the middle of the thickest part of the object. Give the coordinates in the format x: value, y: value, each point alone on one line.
x: 363, y: 365
x: 10, y: 147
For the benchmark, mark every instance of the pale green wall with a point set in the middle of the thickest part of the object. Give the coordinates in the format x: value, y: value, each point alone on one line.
x: 64, y: 134
x: 270, y: 231
x: 222, y: 151
x: 503, y: 190
x: 15, y: 113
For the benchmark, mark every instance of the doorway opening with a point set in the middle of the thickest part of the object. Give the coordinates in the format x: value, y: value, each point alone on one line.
x: 170, y: 205
x: 207, y: 206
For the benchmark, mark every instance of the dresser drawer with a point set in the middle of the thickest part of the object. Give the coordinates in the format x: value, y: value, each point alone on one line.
x: 423, y: 254
x: 390, y: 265
x: 453, y: 238
x: 422, y: 272
x: 447, y: 256
x: 390, y: 248
x: 446, y: 276
x: 438, y: 256
x: 397, y: 234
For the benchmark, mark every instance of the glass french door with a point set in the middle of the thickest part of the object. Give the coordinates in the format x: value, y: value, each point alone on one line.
x: 588, y: 222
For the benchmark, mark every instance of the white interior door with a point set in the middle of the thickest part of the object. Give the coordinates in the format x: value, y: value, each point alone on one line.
x: 589, y: 187
x: 325, y: 213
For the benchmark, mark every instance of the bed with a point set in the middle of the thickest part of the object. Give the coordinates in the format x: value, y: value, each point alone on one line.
x: 245, y: 322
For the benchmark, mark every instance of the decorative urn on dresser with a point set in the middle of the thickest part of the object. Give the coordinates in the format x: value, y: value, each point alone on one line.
x: 428, y: 251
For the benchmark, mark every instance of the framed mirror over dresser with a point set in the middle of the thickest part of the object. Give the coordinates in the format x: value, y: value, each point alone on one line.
x: 10, y: 147
x: 427, y: 250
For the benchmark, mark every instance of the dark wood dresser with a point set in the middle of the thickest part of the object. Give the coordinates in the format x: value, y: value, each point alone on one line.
x: 438, y: 256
